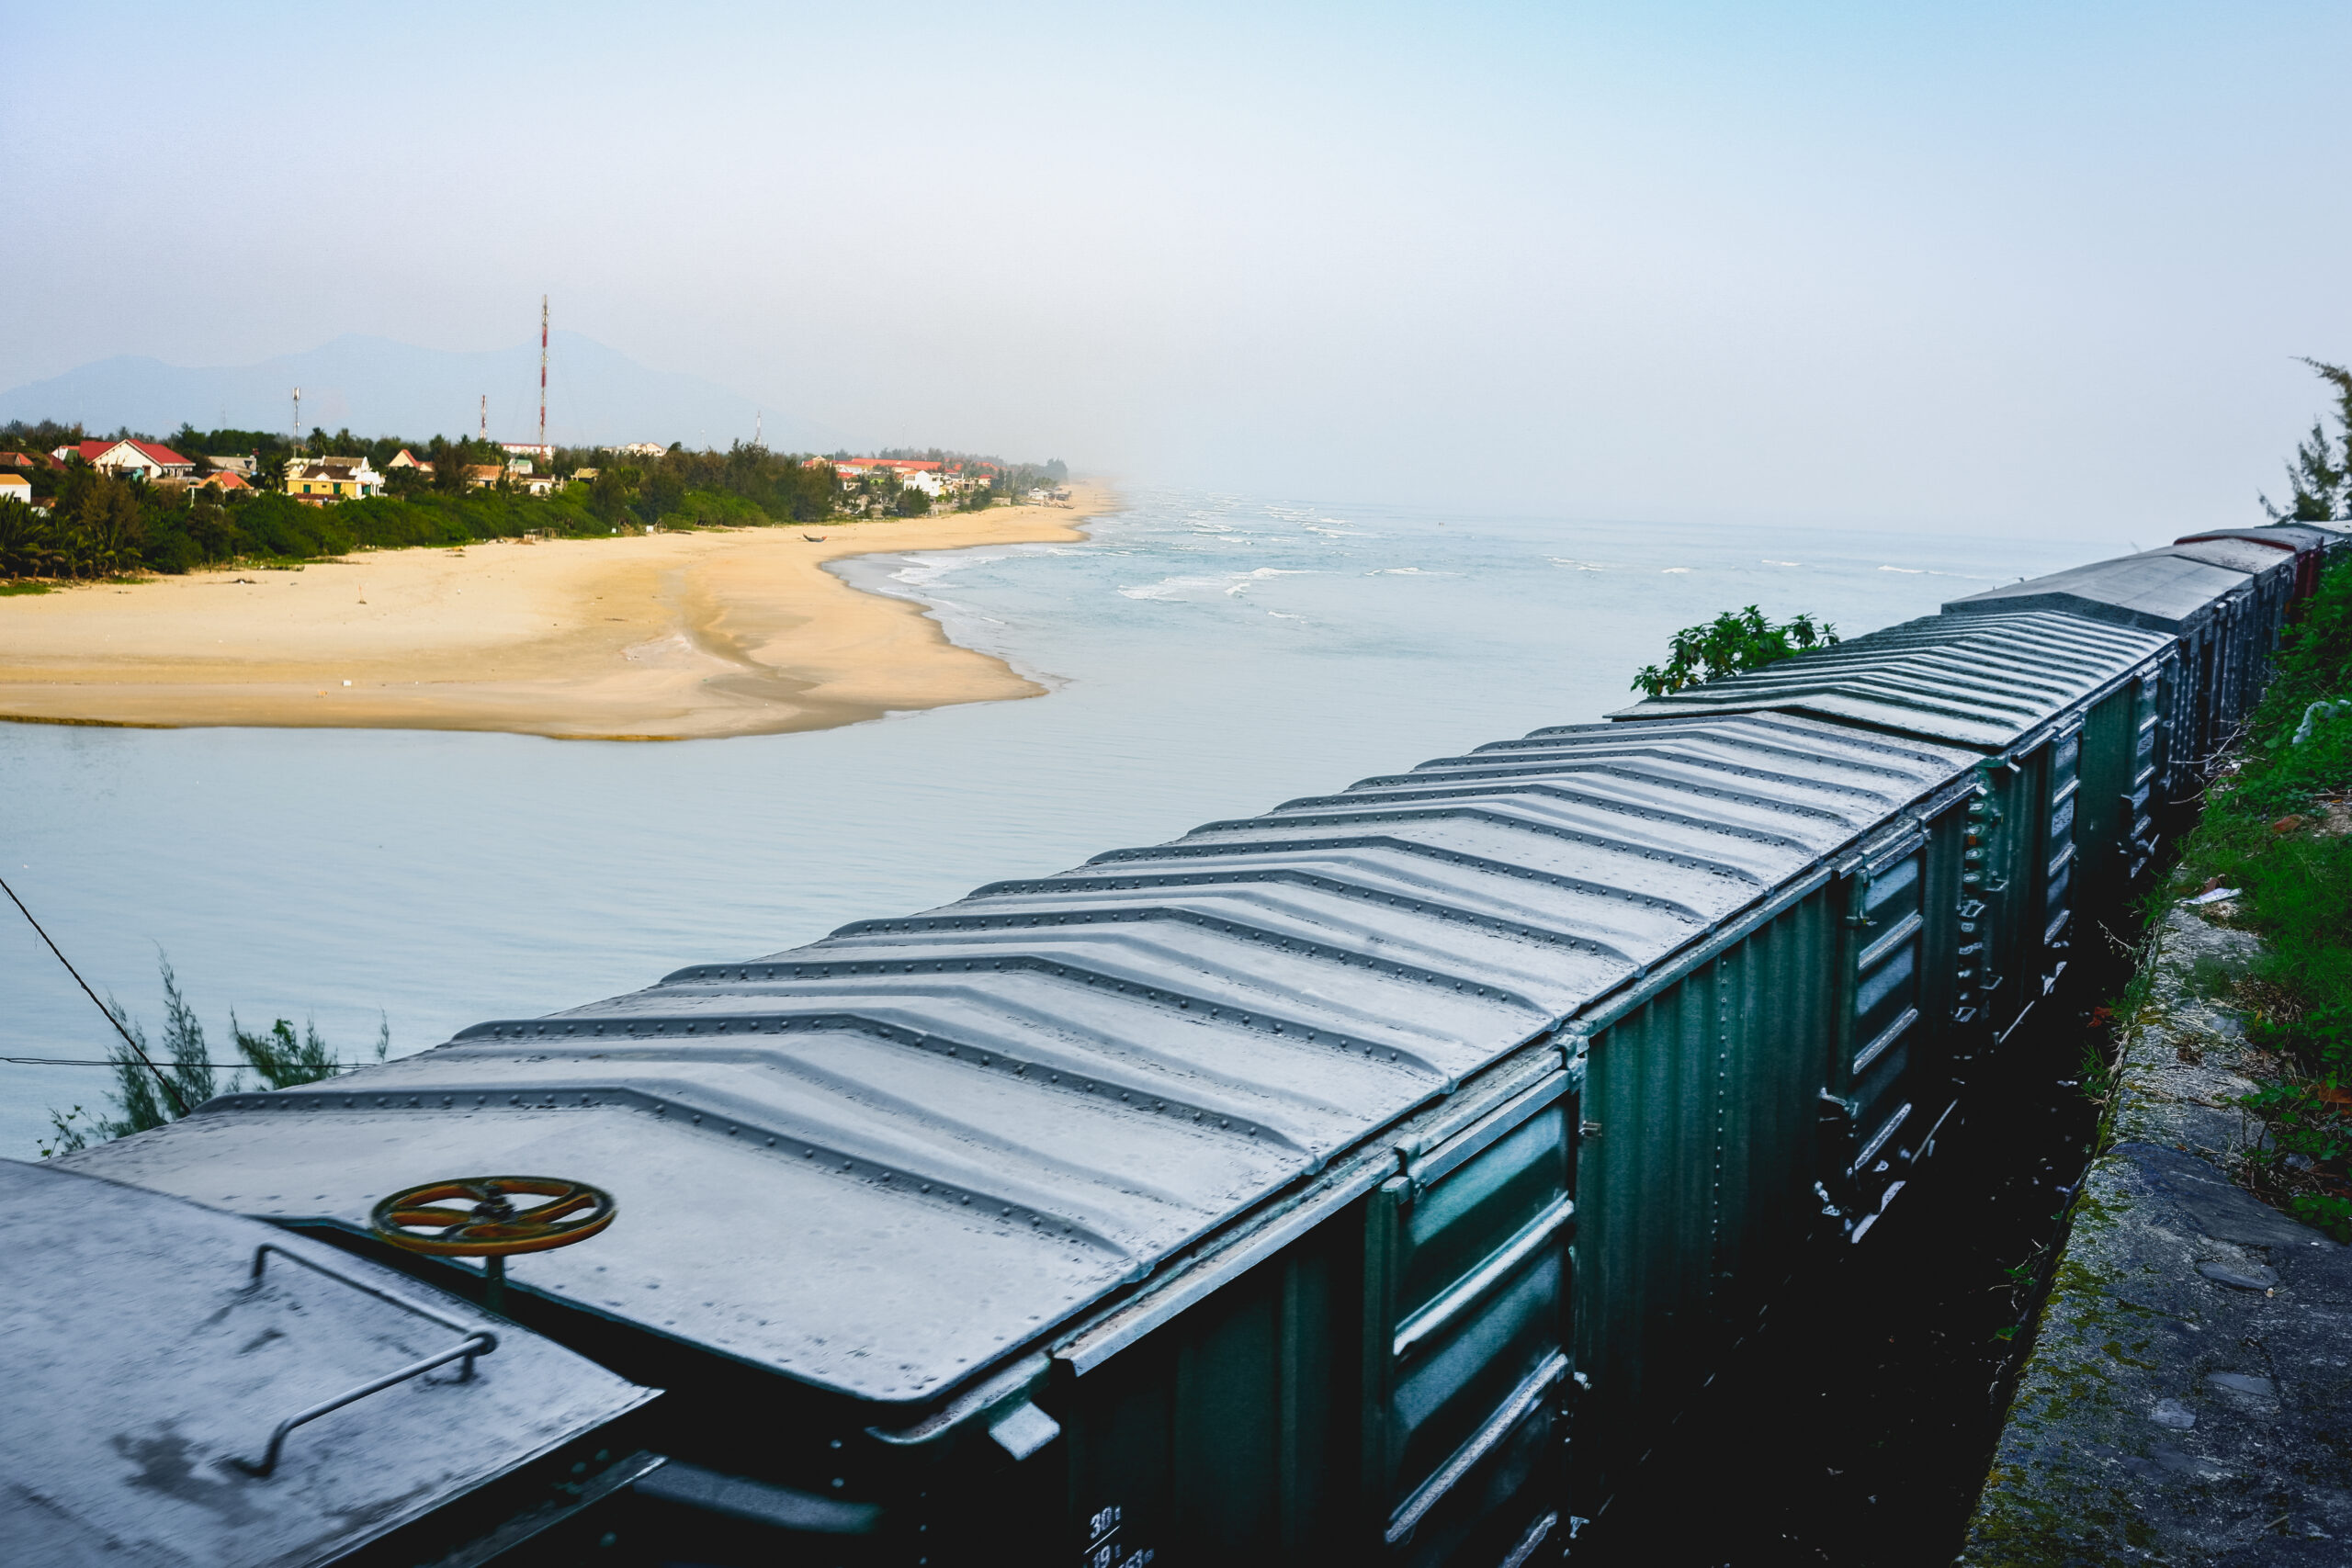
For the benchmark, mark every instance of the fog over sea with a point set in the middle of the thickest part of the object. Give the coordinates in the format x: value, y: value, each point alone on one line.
x: 1210, y: 656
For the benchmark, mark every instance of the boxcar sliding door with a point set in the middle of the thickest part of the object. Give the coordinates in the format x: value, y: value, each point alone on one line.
x: 1467, y: 1300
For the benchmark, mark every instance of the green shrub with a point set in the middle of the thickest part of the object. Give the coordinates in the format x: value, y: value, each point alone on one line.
x: 1734, y: 641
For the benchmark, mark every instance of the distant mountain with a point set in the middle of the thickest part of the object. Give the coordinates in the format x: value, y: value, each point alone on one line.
x: 377, y: 387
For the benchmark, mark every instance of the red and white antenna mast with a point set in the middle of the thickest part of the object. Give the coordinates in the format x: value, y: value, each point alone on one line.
x: 485, y: 416
x: 543, y: 372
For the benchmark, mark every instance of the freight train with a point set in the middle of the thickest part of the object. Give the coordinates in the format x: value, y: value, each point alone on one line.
x: 1369, y: 1178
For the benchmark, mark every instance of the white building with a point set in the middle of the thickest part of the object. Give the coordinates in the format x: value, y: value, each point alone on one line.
x: 129, y: 459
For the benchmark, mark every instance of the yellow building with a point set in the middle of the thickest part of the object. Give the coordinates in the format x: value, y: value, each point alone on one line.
x: 317, y: 480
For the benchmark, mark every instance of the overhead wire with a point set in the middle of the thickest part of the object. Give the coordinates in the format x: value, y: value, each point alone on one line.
x: 109, y: 1062
x: 170, y: 1090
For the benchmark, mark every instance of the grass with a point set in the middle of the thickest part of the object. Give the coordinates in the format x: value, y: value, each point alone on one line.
x: 2268, y: 830
x: 9, y: 589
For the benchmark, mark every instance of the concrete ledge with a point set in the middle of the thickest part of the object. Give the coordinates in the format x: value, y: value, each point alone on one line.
x: 2189, y: 1397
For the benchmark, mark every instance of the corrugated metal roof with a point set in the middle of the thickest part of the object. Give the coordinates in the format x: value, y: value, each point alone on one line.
x: 881, y: 1162
x: 2257, y: 560
x: 143, y: 1360
x: 2157, y: 589
x: 1984, y: 681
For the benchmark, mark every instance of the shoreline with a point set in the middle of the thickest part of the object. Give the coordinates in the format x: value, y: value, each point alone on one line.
x: 663, y: 636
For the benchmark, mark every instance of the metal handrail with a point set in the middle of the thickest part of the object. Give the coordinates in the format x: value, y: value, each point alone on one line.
x: 478, y: 1342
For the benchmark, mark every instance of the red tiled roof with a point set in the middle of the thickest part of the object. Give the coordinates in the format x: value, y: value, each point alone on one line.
x: 92, y: 451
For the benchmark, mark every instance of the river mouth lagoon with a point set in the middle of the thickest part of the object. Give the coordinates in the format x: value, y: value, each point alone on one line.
x: 1204, y: 656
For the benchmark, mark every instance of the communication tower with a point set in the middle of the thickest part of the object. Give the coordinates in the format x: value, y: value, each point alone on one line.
x: 297, y: 419
x: 543, y: 372
x: 485, y: 416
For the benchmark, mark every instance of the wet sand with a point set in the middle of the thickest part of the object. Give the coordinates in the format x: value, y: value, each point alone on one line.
x: 664, y: 637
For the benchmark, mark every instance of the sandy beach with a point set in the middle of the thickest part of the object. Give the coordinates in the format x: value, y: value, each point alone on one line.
x: 663, y: 637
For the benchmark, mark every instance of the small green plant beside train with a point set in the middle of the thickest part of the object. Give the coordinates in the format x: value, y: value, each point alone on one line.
x: 156, y: 1083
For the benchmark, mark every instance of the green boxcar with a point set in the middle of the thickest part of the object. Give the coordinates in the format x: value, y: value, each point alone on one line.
x: 2066, y: 714
x: 1220, y: 1199
x: 1370, y: 1179
x: 2223, y: 602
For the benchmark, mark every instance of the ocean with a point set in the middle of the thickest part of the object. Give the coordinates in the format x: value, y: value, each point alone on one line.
x: 1207, y: 656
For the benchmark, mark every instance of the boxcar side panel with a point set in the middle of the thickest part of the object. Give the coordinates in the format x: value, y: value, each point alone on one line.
x: 1226, y: 1434
x: 2105, y: 812
x: 1681, y: 1231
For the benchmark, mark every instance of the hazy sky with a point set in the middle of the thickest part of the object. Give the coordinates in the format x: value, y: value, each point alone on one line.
x: 2008, y: 266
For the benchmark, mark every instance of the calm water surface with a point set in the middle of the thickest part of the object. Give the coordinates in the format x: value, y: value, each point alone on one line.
x: 1209, y: 656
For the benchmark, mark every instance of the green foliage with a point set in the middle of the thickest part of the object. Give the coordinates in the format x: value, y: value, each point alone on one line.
x: 281, y: 1059
x: 39, y: 435
x: 1732, y: 642
x: 180, y: 1079
x: 608, y: 495
x: 28, y: 542
x: 68, y: 1131
x: 97, y: 526
x: 2323, y: 1211
x: 2265, y: 830
x: 2321, y: 474
x: 183, y: 1074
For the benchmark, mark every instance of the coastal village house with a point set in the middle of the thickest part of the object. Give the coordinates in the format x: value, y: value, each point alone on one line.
x: 404, y: 458
x: 929, y: 478
x: 16, y: 486
x: 317, y: 480
x: 244, y: 468
x: 129, y: 459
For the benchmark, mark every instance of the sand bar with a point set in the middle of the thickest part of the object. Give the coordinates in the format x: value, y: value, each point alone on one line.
x: 661, y: 637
